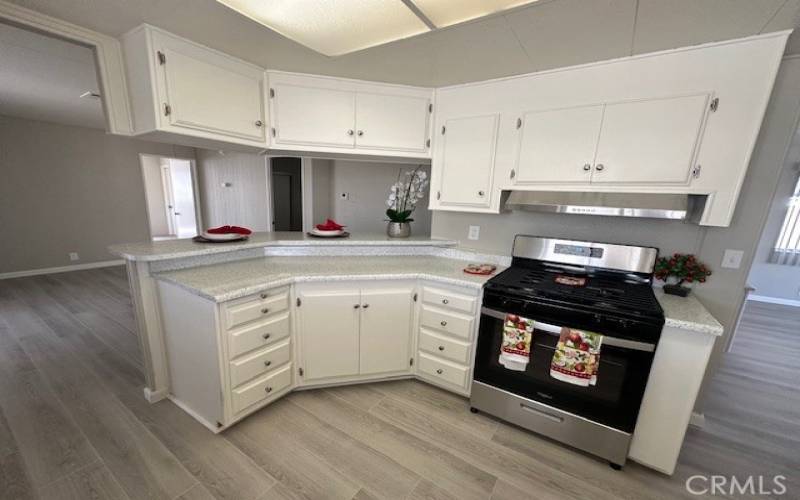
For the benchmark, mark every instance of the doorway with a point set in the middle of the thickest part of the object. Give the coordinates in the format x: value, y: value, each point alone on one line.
x: 287, y: 194
x: 171, y: 197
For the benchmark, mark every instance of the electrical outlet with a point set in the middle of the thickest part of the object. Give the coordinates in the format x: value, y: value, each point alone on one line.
x: 344, y: 196
x: 73, y: 256
x: 732, y: 259
x: 474, y: 232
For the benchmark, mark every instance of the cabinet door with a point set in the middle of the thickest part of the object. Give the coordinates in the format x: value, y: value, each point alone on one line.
x: 650, y: 141
x: 386, y: 316
x: 393, y: 122
x: 208, y: 94
x: 558, y: 145
x: 313, y: 115
x: 466, y: 162
x: 328, y: 330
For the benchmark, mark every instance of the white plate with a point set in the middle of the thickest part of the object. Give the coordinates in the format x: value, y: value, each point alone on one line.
x: 319, y: 232
x: 221, y: 237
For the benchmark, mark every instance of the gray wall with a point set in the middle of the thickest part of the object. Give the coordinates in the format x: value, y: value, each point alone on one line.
x: 772, y: 280
x: 245, y: 202
x: 368, y: 185
x: 69, y: 189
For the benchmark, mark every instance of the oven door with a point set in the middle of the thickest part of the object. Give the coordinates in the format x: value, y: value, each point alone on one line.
x: 613, y: 401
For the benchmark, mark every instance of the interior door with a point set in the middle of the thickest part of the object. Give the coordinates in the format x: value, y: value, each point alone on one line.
x: 183, y: 202
x: 212, y: 97
x: 558, y: 145
x: 328, y: 329
x: 313, y: 115
x: 466, y: 164
x: 391, y: 122
x: 386, y: 316
x: 650, y: 141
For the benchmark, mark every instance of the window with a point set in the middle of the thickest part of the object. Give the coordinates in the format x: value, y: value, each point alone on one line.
x: 787, y: 246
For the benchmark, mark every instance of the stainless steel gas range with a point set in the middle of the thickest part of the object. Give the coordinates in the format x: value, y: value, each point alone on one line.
x: 595, y: 287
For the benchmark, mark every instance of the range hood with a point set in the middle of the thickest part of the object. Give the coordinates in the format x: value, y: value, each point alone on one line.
x: 652, y: 206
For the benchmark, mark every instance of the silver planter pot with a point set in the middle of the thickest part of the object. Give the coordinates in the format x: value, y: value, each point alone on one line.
x: 398, y: 229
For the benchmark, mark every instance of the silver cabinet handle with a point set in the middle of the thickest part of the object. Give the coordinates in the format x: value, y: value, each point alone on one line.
x: 439, y: 371
x: 356, y: 306
x: 513, y: 173
x: 259, y: 123
x: 350, y: 132
x: 264, y: 295
x: 267, y: 363
x: 443, y: 323
x: 445, y: 301
x: 265, y: 310
x: 365, y: 306
x: 587, y: 167
x: 360, y: 133
x: 599, y: 167
x: 266, y: 336
x: 480, y: 193
x: 268, y: 389
x: 441, y: 348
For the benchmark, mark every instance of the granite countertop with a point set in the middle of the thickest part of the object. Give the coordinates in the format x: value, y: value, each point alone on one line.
x: 687, y: 313
x: 174, y: 249
x: 231, y: 280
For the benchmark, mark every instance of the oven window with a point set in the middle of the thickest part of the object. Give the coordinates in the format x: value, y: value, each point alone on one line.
x: 614, y: 400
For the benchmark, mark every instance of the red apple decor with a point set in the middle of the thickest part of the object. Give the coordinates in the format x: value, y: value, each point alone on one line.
x: 685, y: 268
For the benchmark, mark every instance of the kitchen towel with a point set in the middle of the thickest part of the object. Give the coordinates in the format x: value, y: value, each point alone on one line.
x: 577, y: 357
x: 515, y: 352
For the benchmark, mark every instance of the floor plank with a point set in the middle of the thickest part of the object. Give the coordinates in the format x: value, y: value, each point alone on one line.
x: 93, y: 482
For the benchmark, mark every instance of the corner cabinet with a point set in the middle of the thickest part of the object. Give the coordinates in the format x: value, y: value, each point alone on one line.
x: 341, y: 116
x: 182, y: 91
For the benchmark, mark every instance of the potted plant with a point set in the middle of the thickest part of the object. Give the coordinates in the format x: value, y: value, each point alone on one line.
x: 682, y: 268
x: 403, y: 197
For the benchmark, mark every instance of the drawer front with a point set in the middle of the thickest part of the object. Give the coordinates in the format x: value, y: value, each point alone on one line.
x: 440, y: 369
x: 262, y: 388
x: 253, y: 309
x: 249, y: 367
x: 448, y: 300
x: 258, y: 335
x: 444, y: 347
x: 453, y: 323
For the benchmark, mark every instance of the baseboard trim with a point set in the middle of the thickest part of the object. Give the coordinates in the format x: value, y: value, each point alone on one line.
x: 697, y: 420
x: 62, y: 269
x: 774, y: 300
x: 155, y: 396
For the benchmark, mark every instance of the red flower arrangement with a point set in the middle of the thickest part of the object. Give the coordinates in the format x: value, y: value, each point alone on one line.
x: 685, y: 267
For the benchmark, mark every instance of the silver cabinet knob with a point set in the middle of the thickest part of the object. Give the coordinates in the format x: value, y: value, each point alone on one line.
x: 266, y: 336
x: 265, y: 310
x: 365, y: 306
x: 480, y: 193
x: 268, y: 389
x: 267, y: 363
x: 356, y: 306
x: 350, y: 132
x: 439, y: 371
x: 445, y: 301
x: 441, y: 348
x: 263, y: 295
x: 587, y: 167
x: 443, y: 323
x: 599, y: 167
x: 360, y: 133
x: 259, y: 123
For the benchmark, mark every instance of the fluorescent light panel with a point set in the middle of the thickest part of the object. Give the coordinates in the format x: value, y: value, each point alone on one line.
x: 449, y: 12
x: 334, y: 27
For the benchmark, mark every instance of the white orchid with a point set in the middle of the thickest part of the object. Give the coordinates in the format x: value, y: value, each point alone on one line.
x: 405, y: 193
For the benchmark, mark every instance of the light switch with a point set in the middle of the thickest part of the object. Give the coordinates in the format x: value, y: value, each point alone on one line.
x: 474, y: 232
x: 732, y: 259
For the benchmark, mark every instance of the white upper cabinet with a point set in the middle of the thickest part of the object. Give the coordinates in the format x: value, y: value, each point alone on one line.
x: 312, y: 116
x: 464, y: 161
x: 334, y: 115
x: 182, y: 89
x: 558, y: 145
x: 392, y: 122
x: 650, y: 141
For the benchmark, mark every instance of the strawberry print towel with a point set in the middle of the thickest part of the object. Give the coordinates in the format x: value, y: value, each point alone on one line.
x: 577, y: 357
x: 515, y: 351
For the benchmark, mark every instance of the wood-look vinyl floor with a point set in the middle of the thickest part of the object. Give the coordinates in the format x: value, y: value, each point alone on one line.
x: 74, y: 424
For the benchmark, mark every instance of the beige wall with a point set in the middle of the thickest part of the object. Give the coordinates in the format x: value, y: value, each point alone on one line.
x: 368, y: 185
x: 245, y: 202
x: 69, y: 189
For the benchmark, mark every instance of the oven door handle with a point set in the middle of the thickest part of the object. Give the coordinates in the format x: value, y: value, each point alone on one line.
x: 544, y: 414
x: 633, y: 345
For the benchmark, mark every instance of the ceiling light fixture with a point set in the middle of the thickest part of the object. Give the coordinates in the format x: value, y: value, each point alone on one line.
x: 90, y: 95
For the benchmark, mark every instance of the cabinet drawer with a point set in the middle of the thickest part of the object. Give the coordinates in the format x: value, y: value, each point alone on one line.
x: 445, y: 371
x: 262, y: 388
x: 255, y: 308
x: 258, y: 334
x: 445, y: 321
x: 448, y: 300
x: 444, y: 347
x: 249, y: 367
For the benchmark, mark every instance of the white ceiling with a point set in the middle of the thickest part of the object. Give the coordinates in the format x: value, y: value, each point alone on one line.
x: 42, y: 78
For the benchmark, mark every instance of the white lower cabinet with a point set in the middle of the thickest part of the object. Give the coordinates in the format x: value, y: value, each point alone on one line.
x: 349, y: 331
